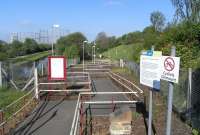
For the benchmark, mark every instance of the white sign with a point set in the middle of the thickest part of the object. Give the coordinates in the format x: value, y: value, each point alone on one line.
x: 150, y: 71
x: 170, y: 68
x: 57, y: 68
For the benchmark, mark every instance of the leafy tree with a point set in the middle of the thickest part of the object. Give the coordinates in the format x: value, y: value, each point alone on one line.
x: 112, y: 42
x: 15, y: 49
x: 158, y: 20
x: 3, y: 49
x: 71, y: 51
x: 151, y: 37
x: 71, y: 42
x: 132, y: 37
x: 187, y: 10
x: 102, y: 40
x: 30, y: 46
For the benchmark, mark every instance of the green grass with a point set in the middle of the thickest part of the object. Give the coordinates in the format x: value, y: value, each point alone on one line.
x: 7, y: 96
x: 126, y: 72
x: 128, y: 52
x: 31, y: 57
x: 121, y: 70
x: 136, y: 115
x: 195, y: 132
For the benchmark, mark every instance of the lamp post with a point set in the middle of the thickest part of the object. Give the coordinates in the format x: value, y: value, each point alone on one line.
x: 94, y: 55
x: 54, y: 26
x: 83, y: 53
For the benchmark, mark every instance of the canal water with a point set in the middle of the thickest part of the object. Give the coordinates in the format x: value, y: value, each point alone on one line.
x: 22, y: 73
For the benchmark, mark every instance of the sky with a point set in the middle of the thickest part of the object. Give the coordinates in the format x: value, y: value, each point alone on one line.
x: 115, y: 17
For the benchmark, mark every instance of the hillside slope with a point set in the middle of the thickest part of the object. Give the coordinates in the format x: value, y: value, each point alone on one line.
x: 128, y: 52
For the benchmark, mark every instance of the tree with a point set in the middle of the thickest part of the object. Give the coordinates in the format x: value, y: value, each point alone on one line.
x: 3, y: 49
x: 112, y: 41
x: 158, y: 20
x: 71, y: 51
x: 102, y: 40
x: 151, y: 37
x: 64, y: 44
x: 30, y: 46
x: 132, y: 37
x: 15, y: 49
x: 187, y: 10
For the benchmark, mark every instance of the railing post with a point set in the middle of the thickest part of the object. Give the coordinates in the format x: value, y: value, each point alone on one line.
x: 81, y: 119
x: 86, y: 121
x: 1, y: 83
x: 90, y: 120
x: 1, y: 121
x: 42, y: 69
x: 36, y: 83
x: 189, y: 92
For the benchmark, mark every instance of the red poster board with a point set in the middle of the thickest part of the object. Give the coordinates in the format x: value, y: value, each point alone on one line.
x: 57, y: 68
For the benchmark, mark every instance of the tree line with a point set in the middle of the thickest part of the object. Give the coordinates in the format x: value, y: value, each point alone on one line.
x: 71, y: 45
x: 183, y: 32
x: 17, y: 48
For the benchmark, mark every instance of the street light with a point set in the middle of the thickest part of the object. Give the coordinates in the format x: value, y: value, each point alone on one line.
x: 83, y: 53
x: 94, y: 52
x: 54, y: 26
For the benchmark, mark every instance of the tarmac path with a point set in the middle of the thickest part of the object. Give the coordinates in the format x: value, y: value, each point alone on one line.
x: 55, y: 117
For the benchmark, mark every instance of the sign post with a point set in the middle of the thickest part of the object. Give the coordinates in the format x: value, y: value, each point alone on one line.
x: 150, y: 76
x: 0, y: 75
x: 150, y: 112
x: 153, y: 67
x: 170, y: 97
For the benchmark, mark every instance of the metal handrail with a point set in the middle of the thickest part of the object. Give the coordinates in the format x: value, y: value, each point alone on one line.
x: 76, y: 114
x: 16, y: 101
x: 141, y: 91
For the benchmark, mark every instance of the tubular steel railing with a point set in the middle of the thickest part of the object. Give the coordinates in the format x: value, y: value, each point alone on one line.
x: 15, y: 112
x: 78, y: 123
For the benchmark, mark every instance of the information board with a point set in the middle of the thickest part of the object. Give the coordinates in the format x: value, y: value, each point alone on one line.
x: 57, y: 68
x: 150, y: 71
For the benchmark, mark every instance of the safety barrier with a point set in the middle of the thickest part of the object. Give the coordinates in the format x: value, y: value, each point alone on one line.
x: 80, y: 115
x: 75, y: 82
x: 15, y: 112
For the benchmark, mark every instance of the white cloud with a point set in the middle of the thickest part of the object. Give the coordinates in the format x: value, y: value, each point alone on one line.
x: 25, y: 22
x: 113, y: 3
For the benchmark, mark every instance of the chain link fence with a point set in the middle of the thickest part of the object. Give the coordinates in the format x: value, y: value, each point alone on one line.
x: 186, y: 99
x: 194, y: 111
x: 21, y: 76
x: 17, y: 76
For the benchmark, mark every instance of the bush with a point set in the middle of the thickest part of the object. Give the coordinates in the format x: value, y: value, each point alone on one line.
x: 70, y: 45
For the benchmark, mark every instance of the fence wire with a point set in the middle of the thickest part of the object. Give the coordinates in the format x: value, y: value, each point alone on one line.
x: 182, y: 97
x: 16, y: 75
x: 195, y: 99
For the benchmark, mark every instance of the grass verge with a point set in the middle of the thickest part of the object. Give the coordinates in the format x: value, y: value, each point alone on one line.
x: 128, y: 52
x: 7, y: 96
x: 31, y: 57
